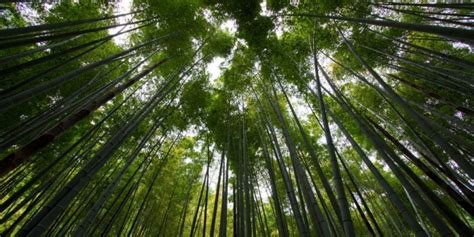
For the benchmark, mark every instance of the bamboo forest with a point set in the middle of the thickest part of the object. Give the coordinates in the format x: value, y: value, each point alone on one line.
x: 236, y: 118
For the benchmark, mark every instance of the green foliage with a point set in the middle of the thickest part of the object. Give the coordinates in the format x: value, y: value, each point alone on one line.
x: 218, y: 45
x: 195, y: 98
x: 150, y: 145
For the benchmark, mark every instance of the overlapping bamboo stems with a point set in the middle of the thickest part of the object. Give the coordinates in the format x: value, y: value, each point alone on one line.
x: 52, y: 26
x: 11, y: 161
x: 388, y: 156
x: 63, y: 198
x: 289, y: 188
x: 22, y: 96
x: 434, y: 157
x: 343, y: 204
x: 421, y: 121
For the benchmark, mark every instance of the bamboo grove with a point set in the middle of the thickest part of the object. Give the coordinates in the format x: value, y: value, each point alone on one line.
x: 325, y: 118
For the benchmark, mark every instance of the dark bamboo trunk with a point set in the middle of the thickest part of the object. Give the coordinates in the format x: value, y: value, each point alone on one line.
x: 13, y: 160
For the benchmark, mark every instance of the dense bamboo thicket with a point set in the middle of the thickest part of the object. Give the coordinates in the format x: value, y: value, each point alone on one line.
x: 236, y: 118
